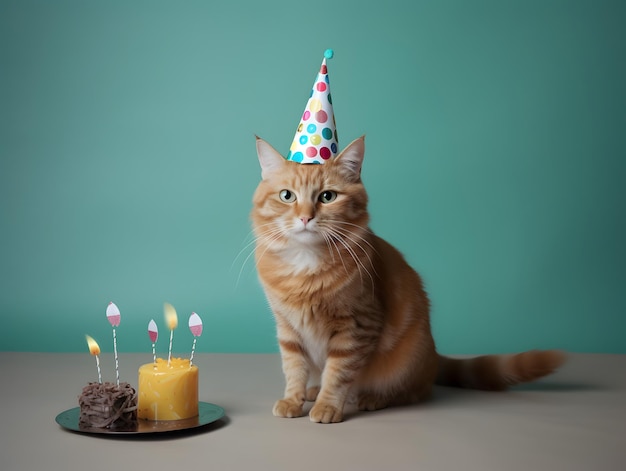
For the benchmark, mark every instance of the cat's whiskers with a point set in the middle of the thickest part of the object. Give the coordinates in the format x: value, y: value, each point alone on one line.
x: 270, y: 235
x: 341, y: 236
x: 243, y: 265
x: 269, y: 238
x: 330, y: 243
x: 359, y: 264
x: 355, y: 238
x: 245, y: 247
x: 345, y: 223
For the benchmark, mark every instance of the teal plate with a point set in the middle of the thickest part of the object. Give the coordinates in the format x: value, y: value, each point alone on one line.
x: 207, y: 414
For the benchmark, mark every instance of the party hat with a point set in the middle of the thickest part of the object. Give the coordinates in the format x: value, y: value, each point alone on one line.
x: 316, y: 137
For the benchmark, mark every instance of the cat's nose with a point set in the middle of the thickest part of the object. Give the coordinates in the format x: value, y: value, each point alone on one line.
x: 305, y: 220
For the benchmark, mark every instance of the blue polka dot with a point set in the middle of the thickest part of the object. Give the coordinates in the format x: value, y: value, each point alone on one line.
x: 333, y: 147
x: 303, y: 139
x: 330, y: 100
x: 311, y: 128
x: 327, y: 133
x: 297, y: 157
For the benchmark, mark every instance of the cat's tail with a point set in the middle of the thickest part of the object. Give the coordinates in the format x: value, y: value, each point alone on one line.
x: 498, y: 372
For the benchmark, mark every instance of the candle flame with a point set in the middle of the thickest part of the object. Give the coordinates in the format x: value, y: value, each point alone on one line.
x: 94, y: 348
x: 170, y: 316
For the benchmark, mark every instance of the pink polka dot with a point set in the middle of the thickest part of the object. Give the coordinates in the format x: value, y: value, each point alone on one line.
x: 323, y: 69
x: 306, y: 115
x: 311, y: 151
x: 325, y: 153
x: 321, y: 87
x: 321, y: 116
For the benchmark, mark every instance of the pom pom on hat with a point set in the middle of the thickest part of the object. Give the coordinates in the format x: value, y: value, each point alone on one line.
x: 316, y: 136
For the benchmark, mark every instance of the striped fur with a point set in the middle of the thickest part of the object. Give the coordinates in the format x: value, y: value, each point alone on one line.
x: 352, y: 316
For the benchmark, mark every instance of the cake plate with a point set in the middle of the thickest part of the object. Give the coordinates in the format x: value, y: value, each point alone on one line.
x: 207, y: 414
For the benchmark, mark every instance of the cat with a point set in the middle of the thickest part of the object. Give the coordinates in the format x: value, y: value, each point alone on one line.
x: 352, y: 316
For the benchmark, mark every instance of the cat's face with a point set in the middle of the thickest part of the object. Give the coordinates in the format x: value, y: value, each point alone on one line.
x: 309, y: 204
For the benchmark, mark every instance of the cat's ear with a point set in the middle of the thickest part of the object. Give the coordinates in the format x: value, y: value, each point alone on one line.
x: 269, y: 158
x: 350, y: 160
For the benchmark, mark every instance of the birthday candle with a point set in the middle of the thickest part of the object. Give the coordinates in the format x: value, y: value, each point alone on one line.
x: 171, y: 319
x: 195, y: 325
x: 113, y: 316
x: 94, y: 349
x: 153, y: 332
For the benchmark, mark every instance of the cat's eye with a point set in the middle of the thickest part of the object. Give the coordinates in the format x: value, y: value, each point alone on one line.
x: 327, y: 196
x: 287, y: 196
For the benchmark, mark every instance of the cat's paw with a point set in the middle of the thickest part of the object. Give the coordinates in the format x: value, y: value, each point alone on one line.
x: 287, y: 408
x: 371, y: 402
x: 311, y: 393
x: 325, y: 414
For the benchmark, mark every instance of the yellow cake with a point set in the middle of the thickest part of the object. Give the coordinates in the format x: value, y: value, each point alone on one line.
x: 168, y: 392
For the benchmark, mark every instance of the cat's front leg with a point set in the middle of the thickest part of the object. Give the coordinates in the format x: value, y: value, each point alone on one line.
x: 296, y: 372
x: 330, y: 401
x: 341, y: 369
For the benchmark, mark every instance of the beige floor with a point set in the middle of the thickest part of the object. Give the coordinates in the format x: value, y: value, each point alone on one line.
x: 574, y: 420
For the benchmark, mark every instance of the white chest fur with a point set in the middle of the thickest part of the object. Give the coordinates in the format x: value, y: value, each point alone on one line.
x: 314, y: 342
x: 315, y: 346
x: 301, y: 259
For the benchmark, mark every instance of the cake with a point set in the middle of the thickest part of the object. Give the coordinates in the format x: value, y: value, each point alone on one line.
x: 168, y: 391
x: 108, y: 406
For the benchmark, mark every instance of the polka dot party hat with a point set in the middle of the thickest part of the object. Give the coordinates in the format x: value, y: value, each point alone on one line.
x: 316, y: 137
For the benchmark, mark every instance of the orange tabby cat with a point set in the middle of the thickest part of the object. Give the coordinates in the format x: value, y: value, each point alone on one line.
x: 349, y: 309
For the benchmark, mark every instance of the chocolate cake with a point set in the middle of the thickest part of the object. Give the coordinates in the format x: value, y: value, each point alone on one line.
x: 106, y: 405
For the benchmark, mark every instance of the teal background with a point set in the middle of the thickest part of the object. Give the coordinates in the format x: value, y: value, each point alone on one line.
x: 495, y: 162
